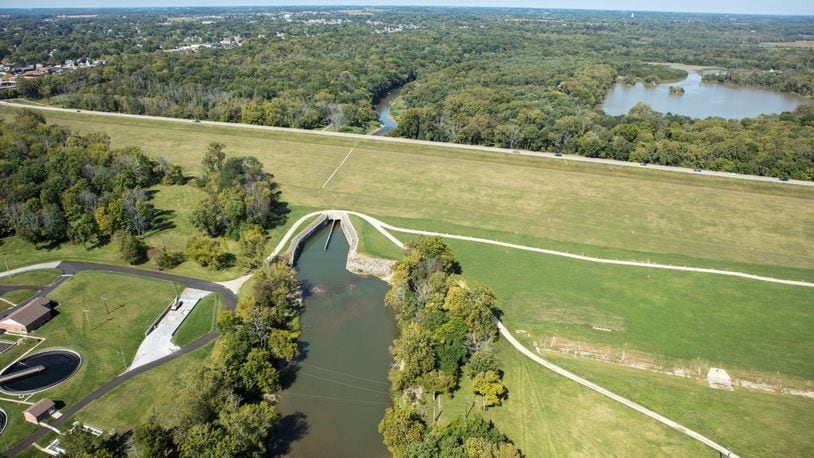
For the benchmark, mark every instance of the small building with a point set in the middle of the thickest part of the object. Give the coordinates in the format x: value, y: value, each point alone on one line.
x: 39, y: 411
x: 28, y: 317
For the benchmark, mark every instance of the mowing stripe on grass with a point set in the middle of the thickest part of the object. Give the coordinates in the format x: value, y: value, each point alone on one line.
x: 337, y: 169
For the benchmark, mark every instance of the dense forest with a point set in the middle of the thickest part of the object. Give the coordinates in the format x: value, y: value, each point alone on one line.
x: 531, y: 79
x: 57, y: 186
x: 447, y: 331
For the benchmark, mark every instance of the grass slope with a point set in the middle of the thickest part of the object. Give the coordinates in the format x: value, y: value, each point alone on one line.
x: 17, y: 296
x: 33, y: 278
x: 625, y: 208
x: 129, y: 404
x: 200, y: 321
x: 548, y: 415
x: 678, y: 315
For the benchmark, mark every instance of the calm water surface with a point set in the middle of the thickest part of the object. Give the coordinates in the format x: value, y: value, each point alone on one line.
x: 341, y: 389
x: 701, y: 100
x: 383, y: 107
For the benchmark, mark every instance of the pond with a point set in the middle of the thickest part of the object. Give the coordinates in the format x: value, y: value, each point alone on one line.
x: 58, y: 366
x: 701, y: 100
x: 341, y: 388
x: 383, y: 108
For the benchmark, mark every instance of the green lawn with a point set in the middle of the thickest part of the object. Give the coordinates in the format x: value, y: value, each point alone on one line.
x: 750, y: 328
x: 17, y: 296
x: 646, y: 212
x: 373, y: 243
x: 701, y: 319
x: 751, y: 423
x: 33, y: 278
x: 200, y: 321
x: 548, y: 415
x: 130, y: 403
x: 106, y: 343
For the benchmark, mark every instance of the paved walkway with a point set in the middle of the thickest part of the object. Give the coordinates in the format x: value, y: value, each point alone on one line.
x: 158, y: 343
x: 565, y: 157
x: 382, y: 228
x: 19, y: 270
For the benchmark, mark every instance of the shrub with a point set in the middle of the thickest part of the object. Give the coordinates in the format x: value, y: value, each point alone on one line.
x: 206, y: 252
x: 130, y: 248
x: 168, y: 259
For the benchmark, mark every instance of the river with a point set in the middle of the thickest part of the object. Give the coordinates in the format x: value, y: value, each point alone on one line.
x: 341, y: 389
x: 383, y: 108
x: 701, y: 100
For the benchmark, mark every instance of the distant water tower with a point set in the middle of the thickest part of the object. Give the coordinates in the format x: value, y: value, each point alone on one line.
x: 632, y: 15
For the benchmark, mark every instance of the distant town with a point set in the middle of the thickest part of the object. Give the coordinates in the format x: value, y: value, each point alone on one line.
x: 10, y: 73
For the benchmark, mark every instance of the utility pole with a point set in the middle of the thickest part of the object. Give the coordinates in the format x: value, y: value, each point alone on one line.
x: 124, y: 363
x: 175, y: 290
x: 8, y: 271
x: 104, y: 301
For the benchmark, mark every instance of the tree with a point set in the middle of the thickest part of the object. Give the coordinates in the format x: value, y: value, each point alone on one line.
x: 481, y: 361
x: 437, y: 383
x: 490, y: 387
x: 400, y: 427
x: 131, y: 248
x: 168, y: 259
x: 257, y: 373
x: 206, y: 252
x: 153, y: 440
x: 247, y: 428
x: 252, y: 246
x: 413, y: 356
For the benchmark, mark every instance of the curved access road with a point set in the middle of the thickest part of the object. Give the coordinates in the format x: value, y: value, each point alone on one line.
x: 72, y: 267
x: 564, y: 157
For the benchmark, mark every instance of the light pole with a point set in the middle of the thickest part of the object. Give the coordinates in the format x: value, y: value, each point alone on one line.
x: 104, y: 301
x: 8, y: 271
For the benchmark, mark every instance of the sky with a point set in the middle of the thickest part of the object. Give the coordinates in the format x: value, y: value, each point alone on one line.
x: 805, y: 7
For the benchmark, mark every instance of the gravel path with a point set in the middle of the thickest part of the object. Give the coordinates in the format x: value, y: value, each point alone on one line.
x: 565, y: 157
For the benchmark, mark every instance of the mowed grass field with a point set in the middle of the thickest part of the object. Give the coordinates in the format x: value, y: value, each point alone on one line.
x: 106, y: 343
x: 586, y: 206
x: 129, y: 404
x: 548, y: 415
x: 623, y: 213
x: 200, y: 321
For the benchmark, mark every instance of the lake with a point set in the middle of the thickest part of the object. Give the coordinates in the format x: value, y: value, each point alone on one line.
x: 701, y: 100
x: 341, y: 388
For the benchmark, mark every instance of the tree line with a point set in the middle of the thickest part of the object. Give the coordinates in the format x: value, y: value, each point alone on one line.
x: 511, y: 78
x: 447, y: 331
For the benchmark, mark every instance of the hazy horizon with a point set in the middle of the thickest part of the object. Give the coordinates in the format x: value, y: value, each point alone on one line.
x: 762, y: 7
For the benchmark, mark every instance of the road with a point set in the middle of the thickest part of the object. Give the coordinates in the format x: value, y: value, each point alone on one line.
x: 515, y: 152
x: 384, y: 228
x: 72, y: 267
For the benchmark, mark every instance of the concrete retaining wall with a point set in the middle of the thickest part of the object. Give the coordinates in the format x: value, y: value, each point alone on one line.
x: 298, y: 240
x: 356, y: 263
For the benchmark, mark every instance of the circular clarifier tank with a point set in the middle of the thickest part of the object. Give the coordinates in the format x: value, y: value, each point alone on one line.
x: 39, y: 371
